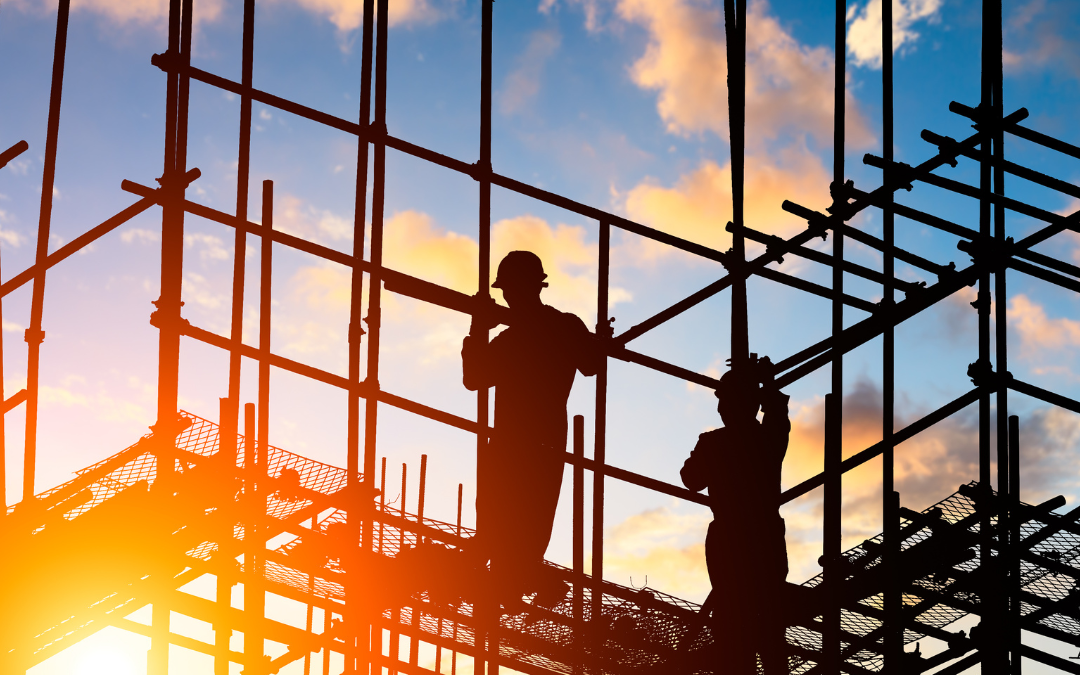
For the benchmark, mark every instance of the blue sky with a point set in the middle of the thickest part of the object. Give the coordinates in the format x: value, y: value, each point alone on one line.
x: 619, y: 104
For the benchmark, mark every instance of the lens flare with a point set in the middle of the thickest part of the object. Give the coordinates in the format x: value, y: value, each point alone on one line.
x: 105, y: 661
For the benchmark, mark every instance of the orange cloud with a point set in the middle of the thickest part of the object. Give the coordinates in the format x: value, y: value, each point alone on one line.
x: 864, y: 33
x: 663, y: 546
x: 1037, y: 331
x: 788, y: 85
x: 698, y: 207
x: 927, y: 468
x: 416, y: 245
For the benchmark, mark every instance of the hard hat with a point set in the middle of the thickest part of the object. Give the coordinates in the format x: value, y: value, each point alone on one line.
x: 519, y: 267
x: 735, y: 384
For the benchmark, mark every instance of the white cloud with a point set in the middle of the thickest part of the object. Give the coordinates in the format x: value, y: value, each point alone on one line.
x: 198, y: 289
x: 698, y: 206
x: 415, y: 244
x: 209, y: 246
x: 10, y: 237
x: 1041, y: 337
x: 299, y: 218
x: 789, y: 86
x: 523, y: 83
x: 864, y: 32
x: 139, y: 234
x: 348, y: 15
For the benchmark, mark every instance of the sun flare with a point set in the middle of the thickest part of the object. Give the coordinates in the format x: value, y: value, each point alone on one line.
x: 105, y: 661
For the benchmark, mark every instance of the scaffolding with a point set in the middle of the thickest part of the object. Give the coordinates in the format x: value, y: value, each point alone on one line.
x: 204, y: 499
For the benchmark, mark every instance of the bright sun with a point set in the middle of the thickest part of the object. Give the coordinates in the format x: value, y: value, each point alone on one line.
x: 104, y: 660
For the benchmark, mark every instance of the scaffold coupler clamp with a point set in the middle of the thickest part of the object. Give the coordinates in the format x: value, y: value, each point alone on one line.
x: 982, y: 374
x: 480, y: 171
x: 901, y: 175
x: 988, y: 252
x: 776, y: 248
x: 378, y: 131
x: 34, y: 336
x: 735, y: 265
x: 356, y: 333
x: 170, y: 319
x: 165, y: 61
x: 841, y: 194
x: 605, y: 329
x: 948, y: 148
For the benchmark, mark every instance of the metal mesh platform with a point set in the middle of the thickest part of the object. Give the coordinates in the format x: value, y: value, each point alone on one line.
x: 414, y: 579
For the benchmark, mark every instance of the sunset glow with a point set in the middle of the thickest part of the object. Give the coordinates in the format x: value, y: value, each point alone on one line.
x: 615, y: 105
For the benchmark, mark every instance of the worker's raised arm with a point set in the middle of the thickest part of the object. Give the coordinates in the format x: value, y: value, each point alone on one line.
x: 775, y: 421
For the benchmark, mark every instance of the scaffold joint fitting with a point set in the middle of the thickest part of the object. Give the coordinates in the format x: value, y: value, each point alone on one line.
x: 34, y: 336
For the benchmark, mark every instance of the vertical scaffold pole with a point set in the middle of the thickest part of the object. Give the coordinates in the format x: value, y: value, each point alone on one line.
x: 34, y: 335
x: 579, y: 532
x: 834, y: 575
x: 230, y: 418
x: 356, y: 331
x: 603, y: 333
x: 166, y: 318
x: 374, y: 316
x: 992, y: 653
x: 834, y: 406
x: 735, y: 30
x: 262, y: 443
x: 414, y: 641
x: 890, y: 500
x: 1009, y: 606
x: 253, y: 591
x: 486, y: 638
x: 1015, y: 582
x: 227, y: 419
x: 243, y: 177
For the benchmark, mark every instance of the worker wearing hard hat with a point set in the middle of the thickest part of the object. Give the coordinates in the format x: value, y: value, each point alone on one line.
x: 531, y: 365
x: 745, y: 551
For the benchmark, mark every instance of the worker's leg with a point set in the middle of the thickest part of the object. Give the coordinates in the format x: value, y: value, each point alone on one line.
x: 539, y: 503
x: 736, y: 604
x: 773, y: 619
x: 545, y: 471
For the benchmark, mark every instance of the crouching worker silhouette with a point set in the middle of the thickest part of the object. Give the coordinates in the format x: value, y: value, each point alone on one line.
x: 745, y: 549
x: 531, y: 365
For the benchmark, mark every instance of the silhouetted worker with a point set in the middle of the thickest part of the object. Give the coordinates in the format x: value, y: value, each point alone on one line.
x: 745, y: 549
x: 531, y: 365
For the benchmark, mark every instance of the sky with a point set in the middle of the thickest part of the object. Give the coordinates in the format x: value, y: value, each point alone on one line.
x: 618, y: 104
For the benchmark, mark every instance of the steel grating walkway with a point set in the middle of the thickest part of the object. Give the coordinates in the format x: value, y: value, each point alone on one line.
x: 133, y: 541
